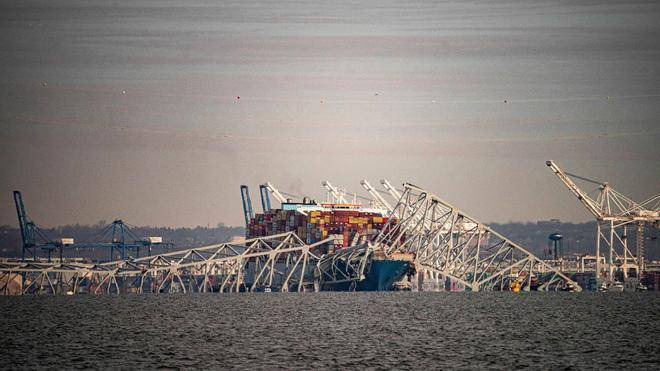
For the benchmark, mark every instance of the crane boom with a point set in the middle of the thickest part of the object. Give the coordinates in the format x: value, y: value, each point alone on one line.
x: 336, y: 193
x: 380, y: 201
x: 22, y: 217
x: 265, y: 200
x: 32, y: 237
x: 247, y: 204
x: 590, y: 204
x: 275, y: 192
x: 393, y: 192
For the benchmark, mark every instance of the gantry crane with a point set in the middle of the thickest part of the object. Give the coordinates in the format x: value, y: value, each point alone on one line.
x: 280, y: 195
x: 121, y: 236
x: 247, y: 204
x: 275, y: 192
x: 614, y: 212
x: 393, y: 191
x: 33, y: 238
x: 336, y: 193
x: 379, y: 201
x: 265, y: 199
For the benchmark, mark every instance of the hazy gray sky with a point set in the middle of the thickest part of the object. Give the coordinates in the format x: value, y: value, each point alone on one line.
x: 124, y: 110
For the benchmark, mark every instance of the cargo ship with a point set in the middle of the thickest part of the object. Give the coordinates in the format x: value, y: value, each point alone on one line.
x: 346, y: 225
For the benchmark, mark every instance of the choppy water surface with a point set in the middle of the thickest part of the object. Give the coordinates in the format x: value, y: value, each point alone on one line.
x: 333, y: 330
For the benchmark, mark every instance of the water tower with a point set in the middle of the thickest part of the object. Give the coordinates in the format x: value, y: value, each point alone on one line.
x: 555, y: 244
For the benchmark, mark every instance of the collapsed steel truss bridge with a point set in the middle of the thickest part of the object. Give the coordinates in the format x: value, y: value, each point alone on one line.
x: 449, y: 242
x: 445, y: 241
x: 281, y: 262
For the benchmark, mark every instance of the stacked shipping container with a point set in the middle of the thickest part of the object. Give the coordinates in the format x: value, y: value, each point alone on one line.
x: 340, y: 224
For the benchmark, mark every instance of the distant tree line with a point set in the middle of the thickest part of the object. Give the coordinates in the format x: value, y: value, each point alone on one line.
x: 579, y: 238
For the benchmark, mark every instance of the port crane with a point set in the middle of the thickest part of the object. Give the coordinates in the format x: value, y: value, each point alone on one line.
x: 33, y: 238
x: 378, y: 200
x: 247, y: 204
x: 275, y: 192
x: 279, y: 195
x: 336, y: 193
x: 614, y: 213
x: 122, y: 237
x: 389, y: 188
x: 265, y: 199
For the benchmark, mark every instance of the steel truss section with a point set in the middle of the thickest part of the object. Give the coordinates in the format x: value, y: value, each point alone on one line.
x: 280, y: 262
x: 448, y: 242
x: 345, y: 265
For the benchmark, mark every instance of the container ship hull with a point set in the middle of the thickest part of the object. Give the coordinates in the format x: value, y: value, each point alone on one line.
x: 382, y: 275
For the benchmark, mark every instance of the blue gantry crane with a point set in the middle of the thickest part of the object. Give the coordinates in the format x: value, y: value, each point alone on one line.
x: 121, y: 236
x: 265, y: 199
x: 33, y: 238
x: 247, y: 204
